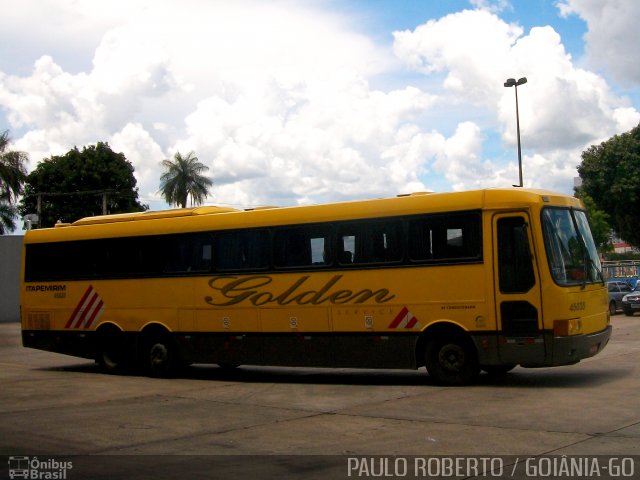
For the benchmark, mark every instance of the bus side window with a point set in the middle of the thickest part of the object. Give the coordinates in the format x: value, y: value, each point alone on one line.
x: 345, y: 249
x: 420, y: 240
x: 248, y: 250
x: 177, y: 254
x: 443, y: 238
x: 185, y: 253
x: 372, y: 242
x: 515, y: 266
x: 125, y: 257
x: 302, y: 246
x: 202, y: 252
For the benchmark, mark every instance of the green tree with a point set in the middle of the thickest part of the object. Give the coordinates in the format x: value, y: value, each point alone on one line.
x: 599, y: 222
x: 80, y: 184
x: 8, y: 215
x: 13, y: 173
x: 182, y: 178
x: 609, y: 173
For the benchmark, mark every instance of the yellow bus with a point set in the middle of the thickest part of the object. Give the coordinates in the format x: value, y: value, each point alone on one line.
x: 456, y: 282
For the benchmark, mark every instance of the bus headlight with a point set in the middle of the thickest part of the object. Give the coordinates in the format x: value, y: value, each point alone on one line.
x: 564, y: 328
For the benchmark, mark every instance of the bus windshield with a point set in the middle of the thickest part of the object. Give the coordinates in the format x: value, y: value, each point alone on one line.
x: 572, y: 254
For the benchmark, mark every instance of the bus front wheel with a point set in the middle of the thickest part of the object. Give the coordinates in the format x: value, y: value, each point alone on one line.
x: 452, y: 360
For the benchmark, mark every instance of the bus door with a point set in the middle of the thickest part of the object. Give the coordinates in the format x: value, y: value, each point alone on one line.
x: 517, y: 291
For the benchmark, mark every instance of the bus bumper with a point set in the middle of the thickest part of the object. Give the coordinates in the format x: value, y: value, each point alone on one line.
x: 78, y: 344
x: 572, y: 349
x: 546, y: 350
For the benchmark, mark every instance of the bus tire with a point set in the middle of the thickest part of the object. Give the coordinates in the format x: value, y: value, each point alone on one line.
x: 160, y: 356
x: 111, y: 352
x: 452, y: 359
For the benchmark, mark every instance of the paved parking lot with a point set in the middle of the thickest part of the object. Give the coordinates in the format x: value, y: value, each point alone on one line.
x: 278, y: 422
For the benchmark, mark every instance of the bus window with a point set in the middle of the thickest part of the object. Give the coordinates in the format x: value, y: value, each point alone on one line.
x: 64, y: 260
x: 594, y: 267
x: 125, y: 257
x: 445, y: 237
x: 200, y: 246
x: 370, y: 242
x: 184, y: 253
x: 302, y: 246
x: 347, y: 246
x: 514, y: 256
x: 317, y: 251
x: 245, y: 250
x: 570, y: 248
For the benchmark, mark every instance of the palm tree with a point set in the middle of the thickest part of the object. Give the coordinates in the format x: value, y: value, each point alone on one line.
x: 183, y: 178
x: 7, y: 216
x: 13, y: 174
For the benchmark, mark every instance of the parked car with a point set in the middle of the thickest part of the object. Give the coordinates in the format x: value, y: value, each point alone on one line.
x: 617, y: 290
x: 631, y: 302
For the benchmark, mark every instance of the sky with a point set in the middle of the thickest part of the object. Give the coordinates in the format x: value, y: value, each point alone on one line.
x: 311, y: 101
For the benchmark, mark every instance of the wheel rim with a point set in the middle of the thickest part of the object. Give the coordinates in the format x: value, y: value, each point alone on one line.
x: 111, y: 358
x: 158, y: 355
x: 452, y: 357
x: 111, y: 353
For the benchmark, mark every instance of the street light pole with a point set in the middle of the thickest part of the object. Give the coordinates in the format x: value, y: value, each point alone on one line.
x: 511, y: 82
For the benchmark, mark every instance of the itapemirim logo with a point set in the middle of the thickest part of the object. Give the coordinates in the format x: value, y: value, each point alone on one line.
x: 38, y: 469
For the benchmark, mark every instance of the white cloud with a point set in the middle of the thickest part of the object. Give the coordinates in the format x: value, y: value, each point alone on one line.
x: 277, y: 99
x: 460, y: 158
x: 562, y: 107
x: 473, y: 48
x: 144, y: 153
x: 319, y: 139
x: 613, y: 36
x: 274, y: 98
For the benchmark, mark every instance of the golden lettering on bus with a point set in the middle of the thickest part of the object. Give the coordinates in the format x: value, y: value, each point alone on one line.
x: 234, y: 290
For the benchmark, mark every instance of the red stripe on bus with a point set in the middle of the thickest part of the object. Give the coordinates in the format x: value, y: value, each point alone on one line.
x: 79, y: 306
x: 399, y: 317
x: 83, y: 313
x: 97, y: 310
x: 412, y: 322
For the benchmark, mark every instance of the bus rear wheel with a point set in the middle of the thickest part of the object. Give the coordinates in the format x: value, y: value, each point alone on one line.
x: 159, y: 356
x: 452, y: 360
x: 111, y: 350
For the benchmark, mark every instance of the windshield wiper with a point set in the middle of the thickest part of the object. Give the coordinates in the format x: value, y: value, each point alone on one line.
x: 588, y: 262
x: 595, y: 265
